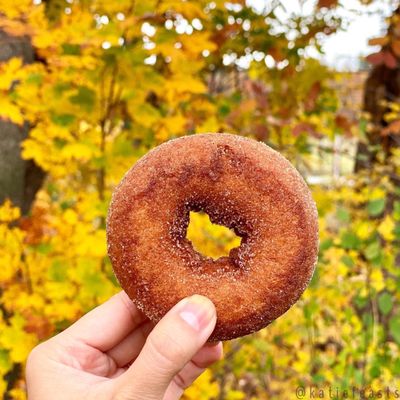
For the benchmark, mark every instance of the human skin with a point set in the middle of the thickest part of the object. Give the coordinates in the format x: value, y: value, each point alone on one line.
x: 115, y: 352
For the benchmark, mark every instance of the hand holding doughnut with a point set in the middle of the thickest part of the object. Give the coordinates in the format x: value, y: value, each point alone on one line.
x: 239, y: 183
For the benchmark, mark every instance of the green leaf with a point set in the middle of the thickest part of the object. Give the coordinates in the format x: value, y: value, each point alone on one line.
x: 34, y: 79
x: 347, y: 260
x: 325, y: 244
x: 318, y: 379
x: 57, y: 271
x: 5, y: 362
x: 85, y: 97
x: 143, y: 7
x: 261, y: 345
x: 343, y: 215
x: 67, y: 204
x: 375, y: 371
x: 61, y: 87
x: 376, y: 207
x: 396, y: 367
x: 315, y: 279
x: 122, y: 147
x: 63, y: 119
x: 394, y: 328
x: 373, y: 250
x: 44, y: 248
x: 145, y: 114
x: 358, y: 376
x: 224, y: 110
x: 385, y: 303
x: 396, y: 210
x: 310, y: 309
x: 363, y: 124
x: 360, y: 301
x: 59, y: 143
x: 368, y: 322
x: 99, y: 162
x: 71, y: 49
x: 396, y: 231
x: 349, y: 240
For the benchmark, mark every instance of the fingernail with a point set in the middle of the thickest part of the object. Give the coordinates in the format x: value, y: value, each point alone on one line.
x: 213, y: 344
x: 197, y: 311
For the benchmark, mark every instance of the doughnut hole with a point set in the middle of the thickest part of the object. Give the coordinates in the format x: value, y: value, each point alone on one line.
x: 209, y: 239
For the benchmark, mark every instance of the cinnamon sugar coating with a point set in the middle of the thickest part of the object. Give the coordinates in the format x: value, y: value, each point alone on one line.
x: 242, y: 184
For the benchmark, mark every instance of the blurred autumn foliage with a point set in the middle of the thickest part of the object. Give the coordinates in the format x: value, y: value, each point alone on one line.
x: 109, y: 80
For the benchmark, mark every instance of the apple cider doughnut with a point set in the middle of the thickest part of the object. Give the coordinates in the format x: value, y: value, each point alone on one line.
x: 241, y: 184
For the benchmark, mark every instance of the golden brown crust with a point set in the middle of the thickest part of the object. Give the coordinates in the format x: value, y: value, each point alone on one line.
x: 240, y: 183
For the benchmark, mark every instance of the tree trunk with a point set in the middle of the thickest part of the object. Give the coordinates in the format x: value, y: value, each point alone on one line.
x: 19, y: 179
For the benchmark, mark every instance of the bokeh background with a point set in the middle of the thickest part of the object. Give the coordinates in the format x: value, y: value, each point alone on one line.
x: 89, y: 86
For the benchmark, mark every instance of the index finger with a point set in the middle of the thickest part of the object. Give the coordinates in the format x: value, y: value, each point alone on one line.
x: 108, y: 324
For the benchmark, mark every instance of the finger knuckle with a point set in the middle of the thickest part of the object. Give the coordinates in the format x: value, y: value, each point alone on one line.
x: 34, y: 358
x: 168, y: 351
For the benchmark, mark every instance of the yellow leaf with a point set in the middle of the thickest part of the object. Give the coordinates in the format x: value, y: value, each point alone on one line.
x: 235, y: 395
x: 184, y: 83
x: 356, y: 323
x: 209, y: 125
x: 94, y: 245
x: 197, y: 42
x: 18, y: 394
x: 22, y: 301
x: 175, y: 124
x: 65, y: 308
x: 78, y: 151
x: 377, y: 280
x: 302, y: 362
x: 11, y: 112
x: 374, y: 194
x: 70, y: 217
x: 16, y: 340
x: 144, y: 114
x: 386, y: 227
x: 15, y: 8
x: 204, y: 388
x: 395, y: 107
x: 188, y: 9
x: 210, y: 239
x: 364, y: 229
x: 43, y: 40
x: 9, y: 72
x: 8, y: 212
x: 162, y: 134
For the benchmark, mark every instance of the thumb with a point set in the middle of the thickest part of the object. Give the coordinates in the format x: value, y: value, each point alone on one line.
x: 173, y: 342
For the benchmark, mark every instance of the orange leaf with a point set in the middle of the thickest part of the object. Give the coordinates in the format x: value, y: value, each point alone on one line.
x: 276, y: 53
x: 343, y: 122
x: 39, y: 325
x: 35, y: 226
x: 396, y: 47
x: 310, y: 101
x: 15, y: 28
x: 392, y: 129
x: 380, y: 41
x: 261, y: 132
x: 304, y: 127
x: 390, y: 60
x: 327, y: 3
x: 376, y: 58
